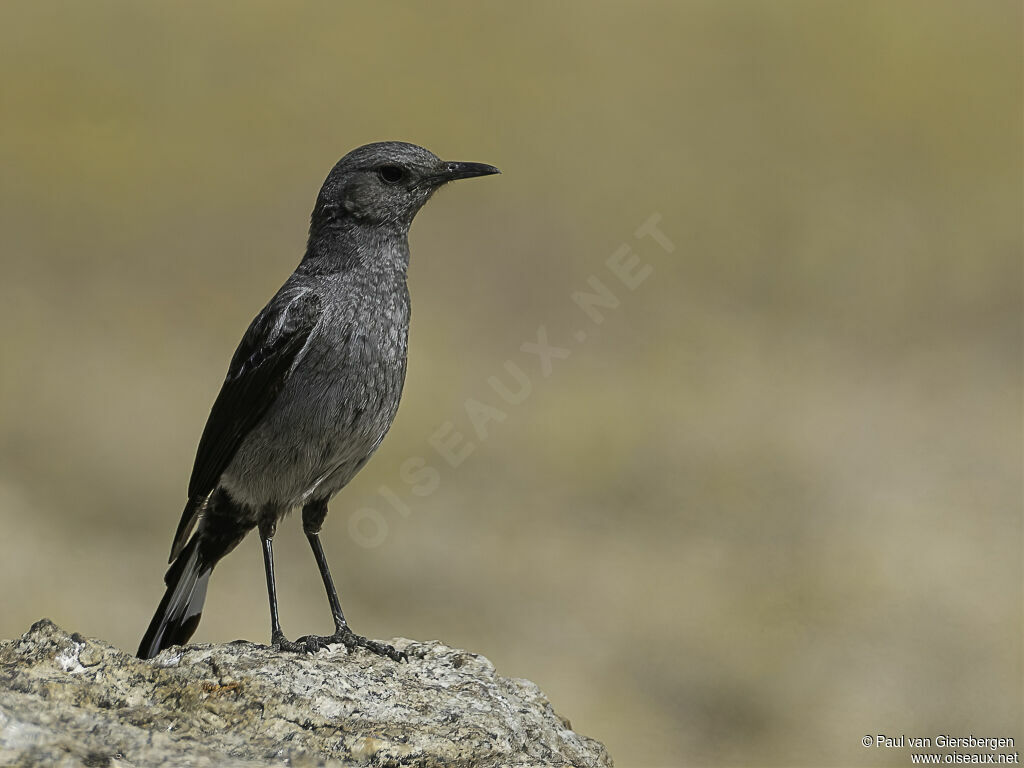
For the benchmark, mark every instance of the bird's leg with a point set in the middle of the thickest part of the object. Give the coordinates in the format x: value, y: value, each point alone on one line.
x: 268, y: 526
x: 313, y: 515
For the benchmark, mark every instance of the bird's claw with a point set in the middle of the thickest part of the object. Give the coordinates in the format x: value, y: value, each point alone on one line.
x: 346, y: 637
x: 281, y: 643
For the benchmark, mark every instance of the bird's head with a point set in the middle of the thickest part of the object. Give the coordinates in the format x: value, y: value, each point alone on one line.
x: 386, y: 183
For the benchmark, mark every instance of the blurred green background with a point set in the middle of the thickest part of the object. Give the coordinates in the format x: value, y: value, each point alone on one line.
x: 771, y: 504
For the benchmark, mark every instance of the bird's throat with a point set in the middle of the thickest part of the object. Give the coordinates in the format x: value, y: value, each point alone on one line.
x: 345, y: 246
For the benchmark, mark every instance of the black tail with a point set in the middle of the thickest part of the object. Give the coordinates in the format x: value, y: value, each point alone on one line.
x: 178, y: 614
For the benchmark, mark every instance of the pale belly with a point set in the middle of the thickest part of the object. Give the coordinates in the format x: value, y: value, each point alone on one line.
x: 324, y: 426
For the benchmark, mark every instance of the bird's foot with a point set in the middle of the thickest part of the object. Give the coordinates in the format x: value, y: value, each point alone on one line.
x: 351, y: 640
x: 345, y: 636
x: 282, y: 643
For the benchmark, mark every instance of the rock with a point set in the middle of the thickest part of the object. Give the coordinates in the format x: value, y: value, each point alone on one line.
x: 67, y: 700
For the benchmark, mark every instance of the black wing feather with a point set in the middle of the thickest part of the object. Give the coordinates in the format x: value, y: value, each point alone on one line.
x: 258, y: 371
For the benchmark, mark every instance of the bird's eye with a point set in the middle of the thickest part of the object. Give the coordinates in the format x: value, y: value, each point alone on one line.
x: 390, y: 174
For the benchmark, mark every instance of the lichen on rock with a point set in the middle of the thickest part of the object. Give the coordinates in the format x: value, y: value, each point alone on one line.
x: 67, y: 700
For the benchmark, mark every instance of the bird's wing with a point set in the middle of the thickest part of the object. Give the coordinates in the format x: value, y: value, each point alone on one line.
x: 259, y: 370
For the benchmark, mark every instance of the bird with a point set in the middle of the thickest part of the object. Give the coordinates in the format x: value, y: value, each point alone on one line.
x: 311, y: 390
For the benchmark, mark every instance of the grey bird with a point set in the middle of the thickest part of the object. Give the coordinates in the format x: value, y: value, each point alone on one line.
x: 311, y: 390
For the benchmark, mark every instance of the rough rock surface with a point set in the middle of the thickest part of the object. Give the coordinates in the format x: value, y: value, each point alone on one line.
x: 66, y: 700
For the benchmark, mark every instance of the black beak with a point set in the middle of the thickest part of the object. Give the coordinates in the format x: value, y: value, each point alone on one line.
x: 453, y: 171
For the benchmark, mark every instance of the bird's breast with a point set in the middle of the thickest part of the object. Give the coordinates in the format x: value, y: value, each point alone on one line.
x: 339, y: 402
